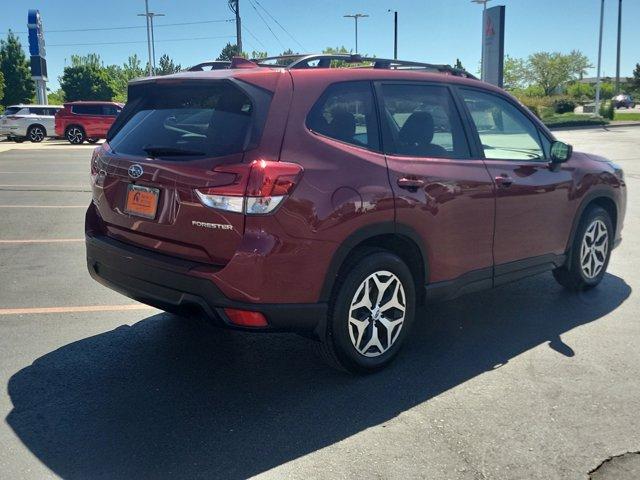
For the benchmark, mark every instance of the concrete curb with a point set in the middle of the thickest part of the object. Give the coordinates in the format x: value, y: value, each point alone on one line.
x: 604, y: 127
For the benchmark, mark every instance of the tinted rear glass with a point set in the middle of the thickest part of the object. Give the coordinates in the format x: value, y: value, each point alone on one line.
x: 11, y: 111
x: 87, y: 109
x: 214, y: 119
x: 110, y: 110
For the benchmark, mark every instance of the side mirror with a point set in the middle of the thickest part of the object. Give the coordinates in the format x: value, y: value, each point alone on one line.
x: 560, y: 152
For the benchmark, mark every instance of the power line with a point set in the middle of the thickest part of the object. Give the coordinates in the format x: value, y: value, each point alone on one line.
x: 253, y: 36
x: 279, y: 24
x: 265, y: 22
x: 138, y: 41
x: 129, y: 27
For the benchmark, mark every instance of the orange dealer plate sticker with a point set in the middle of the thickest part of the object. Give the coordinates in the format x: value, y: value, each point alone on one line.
x: 142, y: 201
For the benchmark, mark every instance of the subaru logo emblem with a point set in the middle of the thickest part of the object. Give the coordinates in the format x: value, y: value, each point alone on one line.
x: 135, y: 171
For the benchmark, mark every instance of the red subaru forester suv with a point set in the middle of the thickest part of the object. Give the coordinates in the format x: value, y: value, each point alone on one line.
x: 333, y: 201
x: 86, y: 120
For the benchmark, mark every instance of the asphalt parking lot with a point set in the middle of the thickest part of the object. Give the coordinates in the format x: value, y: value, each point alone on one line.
x: 525, y: 381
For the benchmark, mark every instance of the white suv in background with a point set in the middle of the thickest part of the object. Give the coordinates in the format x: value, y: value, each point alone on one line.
x: 28, y: 122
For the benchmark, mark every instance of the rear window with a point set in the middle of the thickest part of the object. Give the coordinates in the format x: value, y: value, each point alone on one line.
x: 87, y: 109
x: 11, y: 110
x: 212, y: 119
x: 110, y: 110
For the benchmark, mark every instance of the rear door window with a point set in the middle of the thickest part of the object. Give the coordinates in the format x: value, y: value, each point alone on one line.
x: 422, y: 121
x: 211, y: 119
x: 346, y: 112
x: 87, y: 109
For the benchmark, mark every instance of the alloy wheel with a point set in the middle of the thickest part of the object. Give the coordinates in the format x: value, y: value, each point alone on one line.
x: 377, y: 313
x: 594, y: 249
x: 75, y: 135
x: 36, y: 134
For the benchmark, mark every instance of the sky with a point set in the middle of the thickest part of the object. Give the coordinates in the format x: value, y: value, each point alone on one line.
x: 435, y: 31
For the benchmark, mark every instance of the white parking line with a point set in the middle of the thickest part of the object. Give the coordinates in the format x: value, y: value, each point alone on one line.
x: 44, y: 185
x: 79, y: 309
x: 50, y: 240
x: 43, y: 206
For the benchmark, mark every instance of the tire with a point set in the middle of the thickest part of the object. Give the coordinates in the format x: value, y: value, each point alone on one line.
x: 366, y: 338
x: 589, y: 256
x: 75, y: 135
x: 92, y: 140
x: 36, y: 133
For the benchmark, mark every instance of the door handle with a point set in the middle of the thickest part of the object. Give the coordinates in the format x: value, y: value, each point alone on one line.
x: 504, y: 181
x: 411, y: 184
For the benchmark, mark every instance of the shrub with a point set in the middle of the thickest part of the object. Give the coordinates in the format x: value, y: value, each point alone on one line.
x: 537, y: 105
x: 606, y: 90
x: 563, y: 105
x: 581, y: 92
x: 607, y: 110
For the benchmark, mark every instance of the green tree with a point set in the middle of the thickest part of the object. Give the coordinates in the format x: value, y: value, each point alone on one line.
x: 554, y: 70
x: 1, y: 87
x: 635, y: 81
x: 514, y: 73
x: 89, y: 60
x: 582, y: 92
x: 130, y: 70
x: 166, y: 66
x: 87, y: 82
x: 118, y: 81
x: 56, y: 97
x: 257, y: 55
x: 133, y: 68
x: 18, y: 85
x: 607, y: 89
x: 229, y: 51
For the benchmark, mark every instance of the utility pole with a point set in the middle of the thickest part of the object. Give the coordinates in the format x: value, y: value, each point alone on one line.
x: 597, y: 112
x: 153, y: 41
x: 234, y: 6
x: 618, y: 52
x: 356, y: 16
x: 146, y: 14
x: 150, y: 40
x: 484, y: 9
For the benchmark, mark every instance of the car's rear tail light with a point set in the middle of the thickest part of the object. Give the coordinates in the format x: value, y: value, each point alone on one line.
x: 255, y: 189
x: 246, y: 318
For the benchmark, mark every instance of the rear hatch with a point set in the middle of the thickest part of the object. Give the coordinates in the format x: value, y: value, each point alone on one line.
x: 165, y: 144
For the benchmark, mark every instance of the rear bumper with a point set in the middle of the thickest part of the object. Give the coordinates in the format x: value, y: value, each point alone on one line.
x: 167, y: 283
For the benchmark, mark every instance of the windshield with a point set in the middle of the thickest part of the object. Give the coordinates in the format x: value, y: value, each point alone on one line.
x: 11, y: 111
x: 201, y: 120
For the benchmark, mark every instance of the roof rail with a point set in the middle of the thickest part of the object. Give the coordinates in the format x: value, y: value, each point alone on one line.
x: 327, y: 60
x: 213, y: 65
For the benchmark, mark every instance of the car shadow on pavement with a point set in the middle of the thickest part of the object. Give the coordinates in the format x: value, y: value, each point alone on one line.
x: 166, y: 397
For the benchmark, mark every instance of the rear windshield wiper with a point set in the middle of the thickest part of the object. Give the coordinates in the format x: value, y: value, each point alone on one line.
x: 160, y: 150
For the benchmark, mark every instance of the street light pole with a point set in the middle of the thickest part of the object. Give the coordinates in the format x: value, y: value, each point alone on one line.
x: 618, y: 52
x: 597, y: 112
x: 395, y: 34
x: 356, y: 16
x: 484, y: 9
